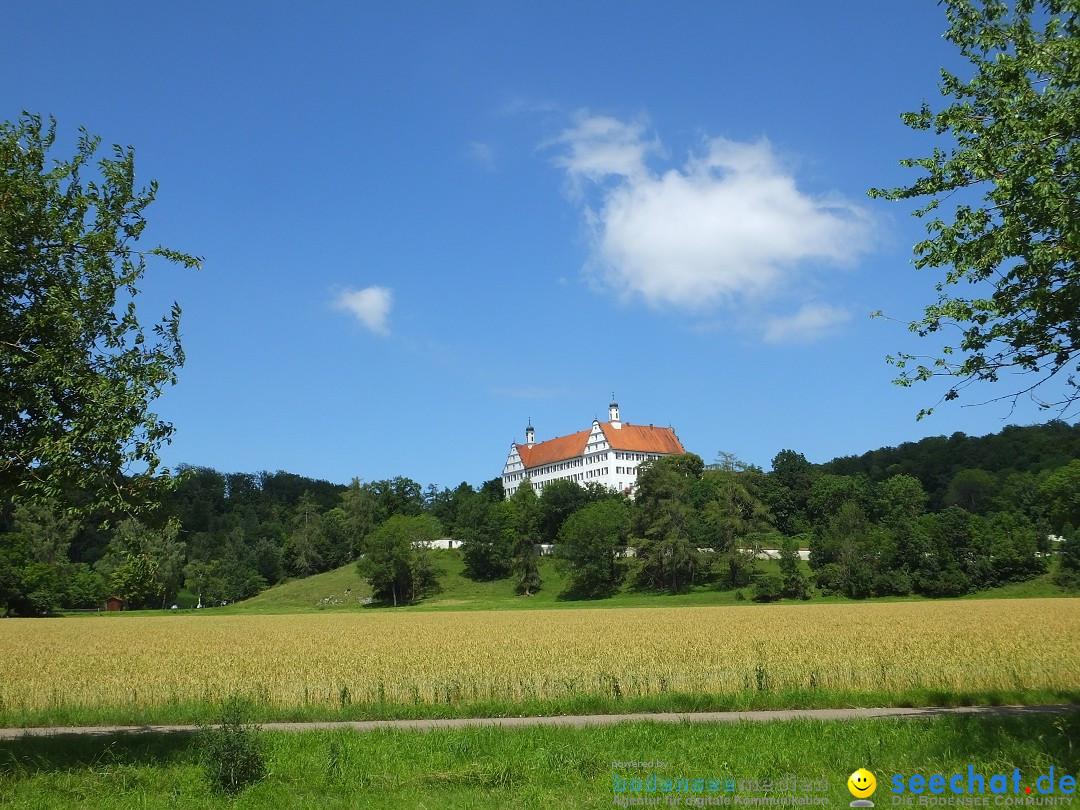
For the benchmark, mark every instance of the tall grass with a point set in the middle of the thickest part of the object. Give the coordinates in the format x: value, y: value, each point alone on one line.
x: 339, y: 661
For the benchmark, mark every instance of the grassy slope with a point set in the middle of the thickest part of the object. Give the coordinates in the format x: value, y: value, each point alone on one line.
x: 461, y: 593
x: 532, y: 767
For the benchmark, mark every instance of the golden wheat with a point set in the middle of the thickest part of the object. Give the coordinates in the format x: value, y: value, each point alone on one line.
x: 376, y: 656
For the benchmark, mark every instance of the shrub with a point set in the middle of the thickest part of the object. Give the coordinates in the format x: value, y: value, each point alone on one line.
x: 232, y: 753
x: 767, y: 588
x: 829, y: 579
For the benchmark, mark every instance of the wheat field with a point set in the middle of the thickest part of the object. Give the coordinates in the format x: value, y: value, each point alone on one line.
x: 429, y: 658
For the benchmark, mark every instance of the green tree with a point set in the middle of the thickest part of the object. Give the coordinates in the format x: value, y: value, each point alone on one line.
x: 1068, y: 574
x: 525, y: 522
x: 587, y: 548
x: 768, y: 588
x: 1060, y: 490
x: 793, y: 580
x: 486, y: 528
x: 1012, y: 548
x: 86, y: 588
x: 43, y: 588
x: 145, y: 566
x: 445, y: 503
x: 360, y: 508
x: 396, y: 561
x: 664, y: 519
x: 306, y: 549
x: 204, y: 580
x: 493, y: 489
x: 48, y: 530
x: 952, y: 560
x: 134, y: 580
x: 830, y: 492
x: 559, y: 500
x: 733, y: 519
x: 397, y: 496
x: 845, y: 540
x: 1019, y: 492
x: 733, y: 510
x: 35, y: 556
x: 1012, y: 170
x: 78, y: 370
x: 900, y: 498
x: 787, y: 489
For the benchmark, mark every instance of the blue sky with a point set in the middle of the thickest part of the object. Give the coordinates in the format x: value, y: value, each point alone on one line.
x: 426, y: 223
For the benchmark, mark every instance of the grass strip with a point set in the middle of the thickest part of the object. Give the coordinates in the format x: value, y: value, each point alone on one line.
x: 183, y: 713
x: 545, y: 767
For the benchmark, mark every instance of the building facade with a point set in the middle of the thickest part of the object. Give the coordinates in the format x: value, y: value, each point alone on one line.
x: 608, y: 453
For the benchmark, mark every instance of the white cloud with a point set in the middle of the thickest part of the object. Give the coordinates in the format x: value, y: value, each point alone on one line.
x: 600, y: 146
x: 728, y: 226
x: 809, y: 323
x: 371, y: 306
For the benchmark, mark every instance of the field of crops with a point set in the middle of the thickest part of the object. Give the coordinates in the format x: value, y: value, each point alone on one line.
x: 426, y: 658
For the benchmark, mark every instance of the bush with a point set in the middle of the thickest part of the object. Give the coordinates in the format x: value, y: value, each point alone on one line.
x: 768, y: 588
x: 232, y: 753
x: 892, y: 582
x: 829, y: 579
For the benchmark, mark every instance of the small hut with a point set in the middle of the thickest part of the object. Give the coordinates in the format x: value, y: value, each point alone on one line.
x: 114, y: 603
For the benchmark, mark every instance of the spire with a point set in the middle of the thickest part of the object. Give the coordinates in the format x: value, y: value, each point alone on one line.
x: 613, y: 413
x: 530, y: 434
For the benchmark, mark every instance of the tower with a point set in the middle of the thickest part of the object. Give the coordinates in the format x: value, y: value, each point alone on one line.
x: 613, y: 413
x: 530, y: 435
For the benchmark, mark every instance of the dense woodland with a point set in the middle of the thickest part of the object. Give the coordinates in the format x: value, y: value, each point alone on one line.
x: 939, y: 517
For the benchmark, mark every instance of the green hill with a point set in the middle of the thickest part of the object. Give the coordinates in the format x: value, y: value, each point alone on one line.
x: 343, y: 589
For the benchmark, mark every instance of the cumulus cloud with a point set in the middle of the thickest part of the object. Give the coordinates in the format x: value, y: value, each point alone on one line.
x: 729, y: 225
x: 809, y: 323
x: 371, y: 306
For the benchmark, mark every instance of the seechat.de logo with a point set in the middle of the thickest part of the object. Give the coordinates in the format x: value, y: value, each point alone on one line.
x: 973, y: 789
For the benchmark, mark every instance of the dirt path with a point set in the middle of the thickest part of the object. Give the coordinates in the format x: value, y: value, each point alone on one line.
x: 576, y: 721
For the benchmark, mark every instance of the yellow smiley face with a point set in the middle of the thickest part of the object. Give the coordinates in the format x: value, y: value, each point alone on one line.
x: 862, y: 783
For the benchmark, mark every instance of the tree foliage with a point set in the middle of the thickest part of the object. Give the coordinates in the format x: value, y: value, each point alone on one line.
x: 589, y: 542
x: 143, y: 565
x: 525, y: 525
x: 78, y: 370
x: 396, y: 561
x: 793, y: 581
x: 1012, y: 180
x: 485, y: 526
x: 665, y: 520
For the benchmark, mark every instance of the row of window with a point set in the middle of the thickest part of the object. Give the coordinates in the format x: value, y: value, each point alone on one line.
x: 577, y: 462
x: 538, y: 486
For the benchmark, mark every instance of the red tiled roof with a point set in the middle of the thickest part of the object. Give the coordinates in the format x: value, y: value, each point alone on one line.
x: 643, y: 439
x: 553, y: 450
x: 635, y: 438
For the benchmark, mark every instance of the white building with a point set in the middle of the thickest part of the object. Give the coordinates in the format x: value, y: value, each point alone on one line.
x: 608, y: 453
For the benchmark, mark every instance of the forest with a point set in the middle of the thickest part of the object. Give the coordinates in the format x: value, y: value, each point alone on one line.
x: 941, y: 517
